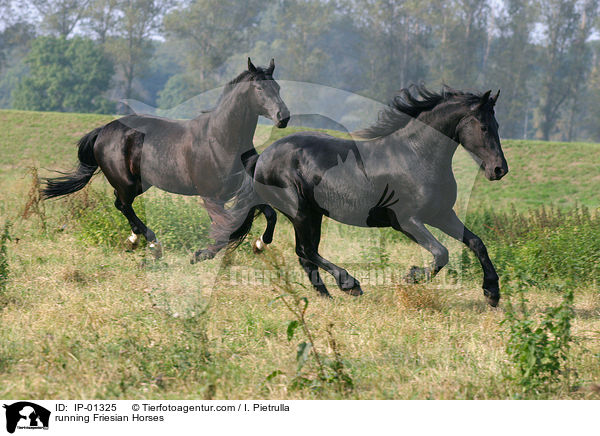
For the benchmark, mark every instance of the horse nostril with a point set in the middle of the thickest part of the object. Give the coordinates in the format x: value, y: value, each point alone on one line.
x: 499, y: 172
x: 284, y: 122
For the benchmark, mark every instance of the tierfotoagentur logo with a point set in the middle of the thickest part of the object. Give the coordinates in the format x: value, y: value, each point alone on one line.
x: 25, y: 415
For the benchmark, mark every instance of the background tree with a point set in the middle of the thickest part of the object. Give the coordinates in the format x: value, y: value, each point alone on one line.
x: 512, y: 66
x: 211, y: 31
x: 15, y: 41
x: 395, y: 38
x: 131, y: 46
x: 561, y: 19
x: 65, y: 75
x: 59, y: 17
x: 543, y: 54
x: 101, y: 18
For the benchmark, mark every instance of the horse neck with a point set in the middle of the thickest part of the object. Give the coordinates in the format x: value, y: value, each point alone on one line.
x: 433, y: 132
x: 233, y: 123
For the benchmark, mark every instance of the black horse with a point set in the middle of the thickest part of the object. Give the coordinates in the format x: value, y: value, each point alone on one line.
x: 201, y: 156
x: 400, y: 176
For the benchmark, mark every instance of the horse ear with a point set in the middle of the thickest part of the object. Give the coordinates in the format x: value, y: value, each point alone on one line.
x: 251, y: 66
x: 271, y: 66
x: 494, y: 99
x: 483, y: 100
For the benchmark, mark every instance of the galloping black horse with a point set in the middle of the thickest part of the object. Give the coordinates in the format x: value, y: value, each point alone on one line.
x: 201, y: 156
x: 399, y: 176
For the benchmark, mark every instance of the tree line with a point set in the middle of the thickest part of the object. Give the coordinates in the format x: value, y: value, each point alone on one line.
x: 84, y: 55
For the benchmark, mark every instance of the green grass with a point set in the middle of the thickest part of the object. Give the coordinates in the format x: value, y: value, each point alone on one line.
x: 84, y: 318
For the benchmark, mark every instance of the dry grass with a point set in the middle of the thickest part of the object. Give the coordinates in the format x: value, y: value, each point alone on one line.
x: 87, y: 322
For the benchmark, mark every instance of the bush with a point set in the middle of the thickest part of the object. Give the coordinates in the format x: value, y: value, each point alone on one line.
x: 546, y: 244
x: 65, y: 75
x: 538, y: 350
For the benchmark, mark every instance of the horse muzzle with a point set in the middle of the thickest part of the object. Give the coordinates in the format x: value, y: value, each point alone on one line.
x: 281, y: 118
x: 282, y: 122
x: 496, y: 172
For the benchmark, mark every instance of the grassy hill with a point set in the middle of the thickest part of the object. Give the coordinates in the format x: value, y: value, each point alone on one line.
x: 84, y: 317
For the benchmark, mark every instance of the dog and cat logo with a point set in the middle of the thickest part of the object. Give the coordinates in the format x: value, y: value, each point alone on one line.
x: 26, y: 415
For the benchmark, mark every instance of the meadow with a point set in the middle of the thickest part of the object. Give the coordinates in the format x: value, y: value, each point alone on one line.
x: 82, y: 316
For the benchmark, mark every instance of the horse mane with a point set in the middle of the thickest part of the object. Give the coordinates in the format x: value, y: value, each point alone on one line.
x: 245, y: 76
x: 409, y: 103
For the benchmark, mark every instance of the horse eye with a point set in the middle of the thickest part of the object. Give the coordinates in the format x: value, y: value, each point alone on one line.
x: 484, y: 129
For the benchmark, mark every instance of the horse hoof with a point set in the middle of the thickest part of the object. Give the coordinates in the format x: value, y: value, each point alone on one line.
x: 156, y: 249
x: 132, y: 241
x: 201, y: 255
x: 415, y: 275
x: 355, y: 291
x: 259, y: 246
x: 491, y: 297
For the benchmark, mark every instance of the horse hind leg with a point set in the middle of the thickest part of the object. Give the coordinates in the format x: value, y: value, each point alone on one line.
x: 138, y: 227
x: 271, y: 216
x: 417, y: 231
x: 308, y: 236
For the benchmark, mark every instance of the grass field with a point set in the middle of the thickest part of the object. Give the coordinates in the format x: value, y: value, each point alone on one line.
x: 82, y: 317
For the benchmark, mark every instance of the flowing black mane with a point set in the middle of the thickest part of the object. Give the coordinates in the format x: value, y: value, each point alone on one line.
x: 248, y: 76
x: 409, y: 103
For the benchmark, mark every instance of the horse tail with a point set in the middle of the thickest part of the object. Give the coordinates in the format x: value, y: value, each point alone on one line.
x: 69, y: 183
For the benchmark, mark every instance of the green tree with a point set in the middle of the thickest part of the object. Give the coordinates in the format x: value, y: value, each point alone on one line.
x: 567, y: 29
x: 212, y: 31
x: 131, y: 46
x: 15, y: 41
x: 459, y: 41
x: 101, y: 17
x: 395, y: 38
x: 512, y: 66
x: 581, y: 69
x: 65, y: 75
x: 59, y: 17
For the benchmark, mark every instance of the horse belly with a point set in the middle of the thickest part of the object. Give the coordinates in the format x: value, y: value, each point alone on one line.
x: 166, y: 168
x: 346, y: 201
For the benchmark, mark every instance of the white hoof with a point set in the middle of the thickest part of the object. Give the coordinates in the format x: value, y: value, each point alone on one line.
x: 132, y: 241
x: 156, y: 249
x: 259, y: 245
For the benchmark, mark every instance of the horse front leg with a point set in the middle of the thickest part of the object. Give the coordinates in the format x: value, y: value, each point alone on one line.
x: 416, y: 230
x: 453, y: 226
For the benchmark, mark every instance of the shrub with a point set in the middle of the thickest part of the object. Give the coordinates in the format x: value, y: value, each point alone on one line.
x: 547, y: 244
x: 538, y: 350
